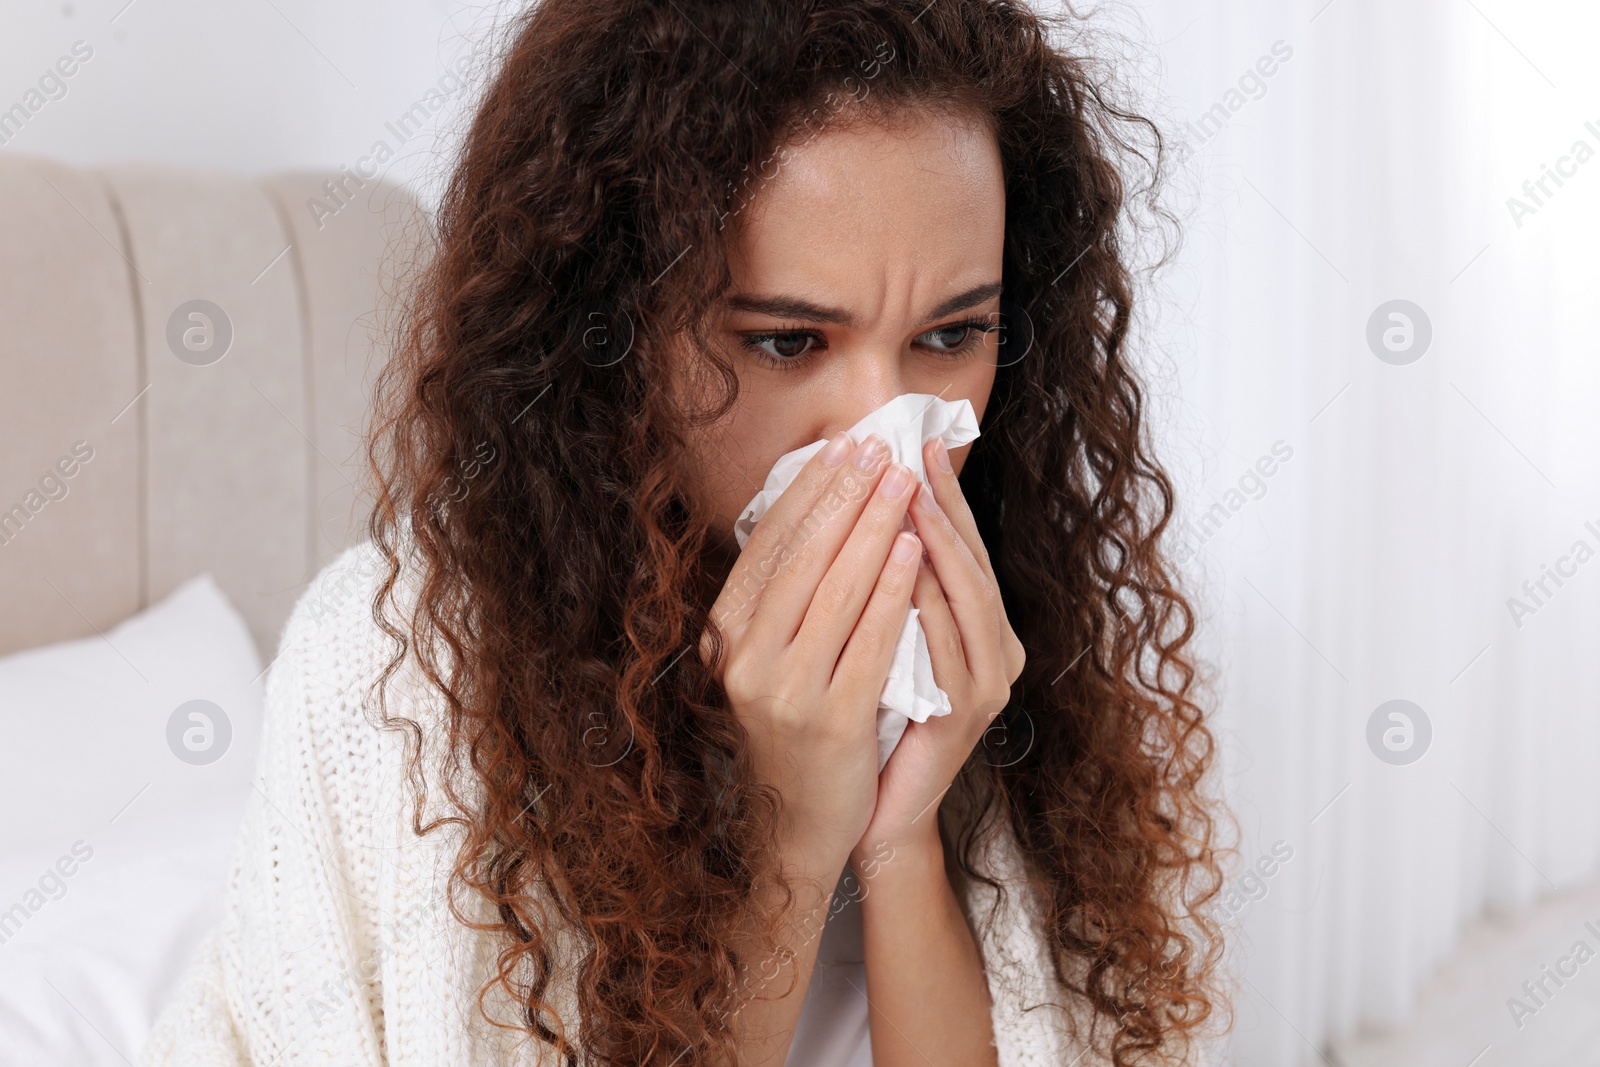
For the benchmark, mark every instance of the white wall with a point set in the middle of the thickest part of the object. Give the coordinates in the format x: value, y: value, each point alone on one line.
x: 1382, y: 560
x: 238, y: 85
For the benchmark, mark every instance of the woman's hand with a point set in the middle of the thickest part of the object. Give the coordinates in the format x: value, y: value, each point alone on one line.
x: 810, y: 616
x: 976, y: 657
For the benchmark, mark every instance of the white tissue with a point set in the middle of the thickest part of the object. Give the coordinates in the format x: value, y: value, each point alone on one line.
x: 906, y: 423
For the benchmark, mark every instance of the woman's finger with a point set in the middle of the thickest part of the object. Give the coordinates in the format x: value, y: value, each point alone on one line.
x: 785, y: 575
x: 841, y: 593
x: 766, y: 545
x: 970, y: 592
x: 947, y: 491
x: 867, y: 655
x: 950, y: 669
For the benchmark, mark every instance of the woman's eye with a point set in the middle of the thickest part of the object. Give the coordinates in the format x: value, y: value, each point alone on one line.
x: 785, y: 346
x: 948, y: 337
x: 783, y: 349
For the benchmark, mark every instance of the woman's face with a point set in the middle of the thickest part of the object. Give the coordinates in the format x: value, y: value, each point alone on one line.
x: 853, y: 269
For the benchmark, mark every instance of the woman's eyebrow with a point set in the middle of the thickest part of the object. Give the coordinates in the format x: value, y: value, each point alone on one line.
x: 791, y: 307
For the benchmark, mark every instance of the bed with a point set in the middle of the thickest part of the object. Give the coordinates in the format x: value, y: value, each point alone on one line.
x: 185, y: 373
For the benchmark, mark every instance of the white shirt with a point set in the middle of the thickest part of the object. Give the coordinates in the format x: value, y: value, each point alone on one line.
x: 833, y: 1029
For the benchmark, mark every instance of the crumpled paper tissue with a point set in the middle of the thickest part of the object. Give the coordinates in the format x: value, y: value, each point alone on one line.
x: 905, y: 423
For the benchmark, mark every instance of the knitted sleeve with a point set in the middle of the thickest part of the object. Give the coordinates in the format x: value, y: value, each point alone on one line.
x: 197, y: 1027
x: 280, y: 980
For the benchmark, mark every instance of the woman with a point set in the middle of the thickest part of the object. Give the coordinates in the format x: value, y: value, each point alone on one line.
x: 684, y: 239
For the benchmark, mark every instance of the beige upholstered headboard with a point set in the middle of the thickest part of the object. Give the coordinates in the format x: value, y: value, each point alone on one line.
x: 131, y: 457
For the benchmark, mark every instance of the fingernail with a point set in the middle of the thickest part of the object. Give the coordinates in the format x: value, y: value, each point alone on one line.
x: 929, y: 504
x: 838, y: 448
x: 905, y: 548
x: 870, y: 453
x: 894, y: 483
x: 941, y: 456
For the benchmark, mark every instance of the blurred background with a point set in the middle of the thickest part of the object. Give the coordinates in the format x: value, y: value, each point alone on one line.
x: 1374, y: 375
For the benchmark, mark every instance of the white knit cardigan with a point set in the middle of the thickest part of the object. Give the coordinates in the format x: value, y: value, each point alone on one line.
x: 336, y: 947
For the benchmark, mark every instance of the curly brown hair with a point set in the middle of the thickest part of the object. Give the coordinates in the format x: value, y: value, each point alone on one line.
x: 562, y: 582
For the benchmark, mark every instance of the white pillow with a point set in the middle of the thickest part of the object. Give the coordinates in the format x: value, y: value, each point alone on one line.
x: 122, y: 807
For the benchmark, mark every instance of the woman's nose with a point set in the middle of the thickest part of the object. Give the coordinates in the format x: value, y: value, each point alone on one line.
x: 870, y: 384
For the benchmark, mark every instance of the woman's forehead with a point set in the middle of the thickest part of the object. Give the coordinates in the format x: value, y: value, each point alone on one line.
x: 865, y: 206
